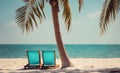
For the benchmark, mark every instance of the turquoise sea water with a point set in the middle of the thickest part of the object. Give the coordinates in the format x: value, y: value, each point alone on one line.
x: 74, y: 51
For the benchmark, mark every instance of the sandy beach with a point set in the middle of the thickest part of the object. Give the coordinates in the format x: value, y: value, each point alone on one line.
x: 81, y: 65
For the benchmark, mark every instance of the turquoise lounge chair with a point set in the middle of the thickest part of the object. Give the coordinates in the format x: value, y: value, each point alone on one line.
x: 33, y: 59
x: 49, y: 59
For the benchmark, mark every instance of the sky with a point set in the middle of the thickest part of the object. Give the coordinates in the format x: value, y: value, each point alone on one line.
x: 84, y: 28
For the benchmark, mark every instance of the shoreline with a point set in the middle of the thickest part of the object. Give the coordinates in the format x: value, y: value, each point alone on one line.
x: 80, y: 64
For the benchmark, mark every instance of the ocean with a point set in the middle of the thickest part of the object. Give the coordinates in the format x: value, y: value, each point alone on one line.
x: 73, y: 50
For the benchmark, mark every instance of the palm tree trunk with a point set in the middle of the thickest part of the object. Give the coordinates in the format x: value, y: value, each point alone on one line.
x: 63, y: 55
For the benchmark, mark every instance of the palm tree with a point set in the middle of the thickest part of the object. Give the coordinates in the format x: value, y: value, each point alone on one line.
x: 25, y: 17
x: 109, y: 11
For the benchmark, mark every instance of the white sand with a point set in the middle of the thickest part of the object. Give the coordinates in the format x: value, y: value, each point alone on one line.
x: 81, y: 65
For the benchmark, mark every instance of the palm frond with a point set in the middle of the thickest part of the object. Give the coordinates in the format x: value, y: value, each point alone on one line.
x: 20, y: 17
x: 26, y: 14
x: 33, y: 17
x: 66, y: 13
x: 37, y: 13
x: 23, y: 18
x: 80, y: 4
x: 38, y: 9
x: 109, y: 11
x: 41, y: 5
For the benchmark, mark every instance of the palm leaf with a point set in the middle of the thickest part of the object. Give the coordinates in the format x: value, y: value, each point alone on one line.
x: 22, y: 18
x: 26, y: 14
x: 33, y: 17
x: 66, y: 13
x: 41, y: 5
x: 37, y: 13
x: 80, y: 4
x: 38, y: 9
x: 109, y: 11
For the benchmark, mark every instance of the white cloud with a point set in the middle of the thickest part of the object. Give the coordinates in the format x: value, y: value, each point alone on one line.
x: 94, y: 15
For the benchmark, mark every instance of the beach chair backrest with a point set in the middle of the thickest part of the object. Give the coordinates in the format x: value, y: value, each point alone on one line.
x: 33, y: 57
x: 49, y: 58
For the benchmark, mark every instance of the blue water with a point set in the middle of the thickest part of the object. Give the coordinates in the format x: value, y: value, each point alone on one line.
x: 74, y: 51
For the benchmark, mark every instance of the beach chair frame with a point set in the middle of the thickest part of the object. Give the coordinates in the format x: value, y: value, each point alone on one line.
x: 33, y: 66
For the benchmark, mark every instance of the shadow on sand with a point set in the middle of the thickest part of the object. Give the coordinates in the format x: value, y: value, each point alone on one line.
x: 108, y: 70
